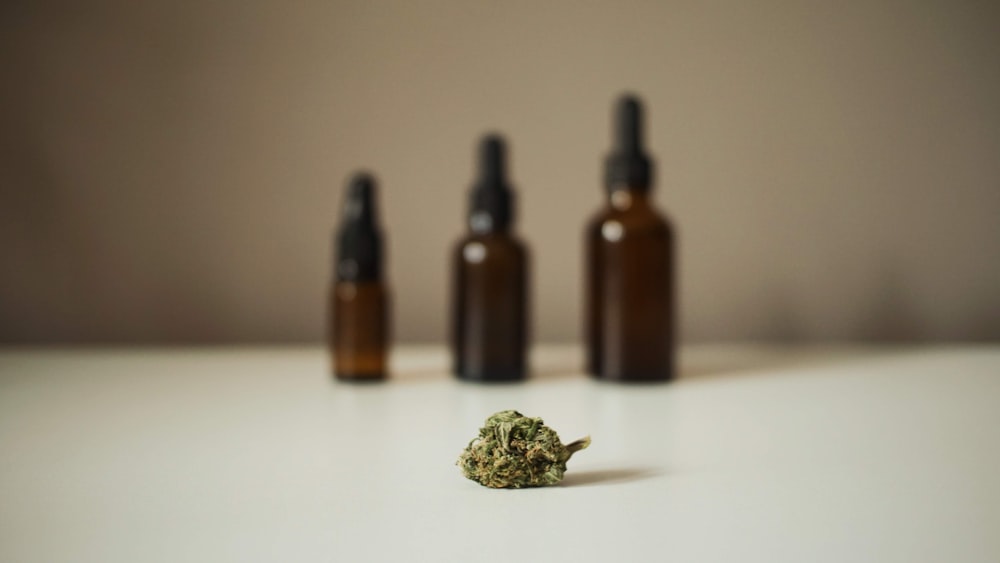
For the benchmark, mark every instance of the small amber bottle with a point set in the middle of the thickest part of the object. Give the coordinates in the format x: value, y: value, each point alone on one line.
x: 359, y: 302
x: 489, y: 292
x: 630, y: 281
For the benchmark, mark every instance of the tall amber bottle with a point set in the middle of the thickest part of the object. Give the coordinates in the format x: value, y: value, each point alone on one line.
x: 359, y: 302
x: 630, y: 280
x: 489, y: 293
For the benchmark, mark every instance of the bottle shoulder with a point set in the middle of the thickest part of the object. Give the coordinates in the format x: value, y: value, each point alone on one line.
x: 481, y: 247
x: 359, y: 292
x: 635, y: 221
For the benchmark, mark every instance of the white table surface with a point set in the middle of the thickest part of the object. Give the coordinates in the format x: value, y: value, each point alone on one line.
x: 254, y: 454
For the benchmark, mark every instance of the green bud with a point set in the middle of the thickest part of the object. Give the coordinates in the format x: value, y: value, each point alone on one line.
x: 514, y: 451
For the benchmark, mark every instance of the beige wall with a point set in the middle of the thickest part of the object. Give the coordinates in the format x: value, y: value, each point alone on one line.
x: 171, y: 171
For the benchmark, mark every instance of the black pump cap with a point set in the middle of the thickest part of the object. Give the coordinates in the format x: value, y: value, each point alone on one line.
x: 359, y: 242
x: 491, y: 201
x: 628, y: 166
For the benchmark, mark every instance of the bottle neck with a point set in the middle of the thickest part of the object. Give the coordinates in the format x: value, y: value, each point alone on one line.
x: 624, y: 199
x: 358, y: 252
x: 484, y: 223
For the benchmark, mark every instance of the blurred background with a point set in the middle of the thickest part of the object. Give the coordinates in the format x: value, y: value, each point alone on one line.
x: 171, y: 172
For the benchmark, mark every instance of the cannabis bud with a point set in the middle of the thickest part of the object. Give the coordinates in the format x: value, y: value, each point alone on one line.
x: 515, y: 451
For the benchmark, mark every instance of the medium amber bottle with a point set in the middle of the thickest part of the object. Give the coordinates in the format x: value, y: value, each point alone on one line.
x: 630, y: 282
x: 359, y: 302
x: 489, y: 288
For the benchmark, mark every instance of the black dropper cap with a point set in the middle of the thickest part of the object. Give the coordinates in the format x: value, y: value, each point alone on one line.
x: 359, y: 242
x: 491, y: 205
x: 628, y: 166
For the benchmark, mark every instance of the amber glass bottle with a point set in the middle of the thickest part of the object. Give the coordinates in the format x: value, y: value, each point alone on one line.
x: 359, y: 303
x: 489, y: 293
x: 630, y: 267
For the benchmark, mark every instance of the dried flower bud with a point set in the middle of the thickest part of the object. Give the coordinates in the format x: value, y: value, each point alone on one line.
x: 515, y: 451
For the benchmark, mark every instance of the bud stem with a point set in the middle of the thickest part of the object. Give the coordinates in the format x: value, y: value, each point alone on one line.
x: 578, y: 445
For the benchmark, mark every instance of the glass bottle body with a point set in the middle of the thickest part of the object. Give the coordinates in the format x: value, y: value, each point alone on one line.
x: 489, y: 308
x: 630, y: 291
x: 359, y: 330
